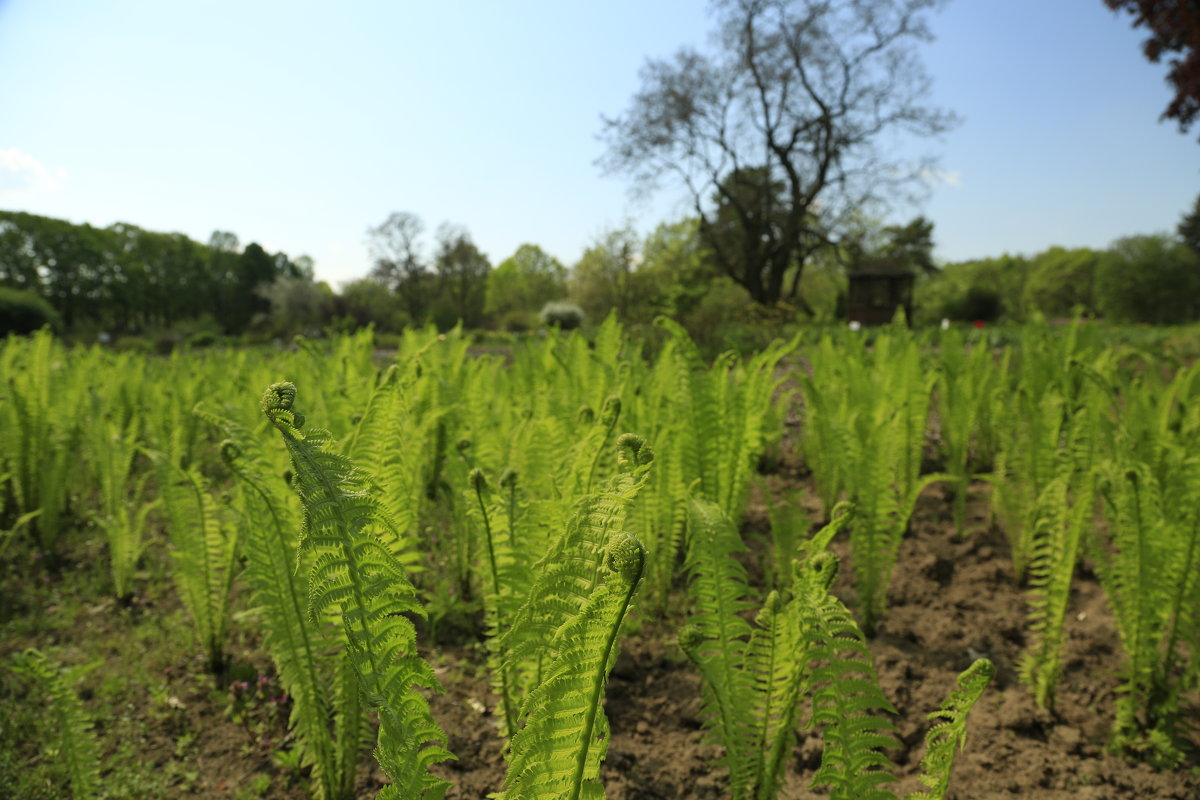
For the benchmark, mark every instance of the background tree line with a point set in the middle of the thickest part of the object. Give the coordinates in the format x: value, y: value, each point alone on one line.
x: 1152, y: 278
x: 126, y: 280
x: 123, y: 279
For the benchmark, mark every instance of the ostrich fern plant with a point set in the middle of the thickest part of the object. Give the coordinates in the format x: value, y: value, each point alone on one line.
x: 308, y: 672
x: 803, y: 644
x: 1150, y: 568
x: 357, y: 581
x: 76, y: 746
x: 203, y: 553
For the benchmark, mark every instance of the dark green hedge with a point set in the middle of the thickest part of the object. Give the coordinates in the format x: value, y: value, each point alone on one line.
x: 24, y: 312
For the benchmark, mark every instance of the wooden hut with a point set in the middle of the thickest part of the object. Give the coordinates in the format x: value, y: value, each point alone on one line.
x: 877, y: 291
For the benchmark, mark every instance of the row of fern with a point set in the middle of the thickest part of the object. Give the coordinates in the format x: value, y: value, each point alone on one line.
x: 449, y: 480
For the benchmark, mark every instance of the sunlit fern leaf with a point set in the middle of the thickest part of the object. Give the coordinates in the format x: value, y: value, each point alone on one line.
x: 773, y: 667
x: 203, y: 552
x: 123, y: 513
x: 356, y: 578
x: 716, y: 638
x: 280, y: 590
x: 1064, y: 514
x: 556, y: 755
x: 1148, y: 570
x: 949, y: 735
x: 571, y: 568
x: 41, y: 433
x: 504, y: 579
x: 76, y: 743
x: 846, y: 697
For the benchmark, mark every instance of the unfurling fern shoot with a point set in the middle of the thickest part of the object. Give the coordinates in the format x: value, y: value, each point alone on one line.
x: 949, y: 735
x: 356, y: 580
x: 280, y: 591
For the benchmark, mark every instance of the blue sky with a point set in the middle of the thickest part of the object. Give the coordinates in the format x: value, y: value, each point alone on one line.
x: 299, y: 124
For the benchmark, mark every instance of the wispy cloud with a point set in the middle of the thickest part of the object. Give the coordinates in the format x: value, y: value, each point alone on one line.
x: 936, y: 178
x: 21, y: 173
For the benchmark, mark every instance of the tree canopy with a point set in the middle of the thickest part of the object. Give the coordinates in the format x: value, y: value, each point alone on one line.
x: 778, y: 135
x: 125, y: 279
x: 521, y: 284
x: 1174, y: 27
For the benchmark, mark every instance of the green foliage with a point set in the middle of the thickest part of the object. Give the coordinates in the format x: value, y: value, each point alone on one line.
x: 487, y: 487
x: 557, y: 752
x: 1150, y: 567
x: 803, y: 644
x: 124, y: 279
x: 679, y: 267
x: 297, y: 305
x: 1188, y: 228
x: 76, y: 745
x: 846, y: 699
x: 891, y: 248
x: 462, y: 274
x: 23, y: 312
x: 605, y: 279
x: 1063, y: 514
x: 355, y: 580
x: 950, y: 734
x: 124, y: 502
x: 564, y: 316
x: 866, y: 419
x: 1154, y: 279
x: 280, y: 592
x: 569, y: 570
x: 524, y: 282
x: 367, y: 301
x: 1061, y: 282
x: 203, y: 553
x: 974, y: 290
x: 967, y: 382
x: 722, y: 414
x: 39, y: 431
x: 504, y: 577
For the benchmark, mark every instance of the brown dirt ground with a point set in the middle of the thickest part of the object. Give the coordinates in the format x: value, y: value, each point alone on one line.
x: 950, y: 600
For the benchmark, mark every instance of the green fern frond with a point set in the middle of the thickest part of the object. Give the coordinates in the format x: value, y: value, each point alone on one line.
x: 77, y: 747
x: 203, y: 553
x: 571, y: 568
x: 356, y: 579
x: 291, y: 638
x: 949, y: 735
x: 1148, y: 570
x: 505, y: 580
x: 846, y: 694
x: 718, y: 643
x: 557, y: 753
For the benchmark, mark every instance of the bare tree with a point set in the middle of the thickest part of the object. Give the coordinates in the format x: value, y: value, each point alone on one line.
x: 782, y: 134
x: 395, y: 248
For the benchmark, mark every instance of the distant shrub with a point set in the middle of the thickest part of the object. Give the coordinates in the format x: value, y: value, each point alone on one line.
x: 518, y: 321
x: 135, y: 344
x: 978, y: 303
x: 202, y: 339
x: 24, y: 312
x: 566, y: 316
x: 165, y: 344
